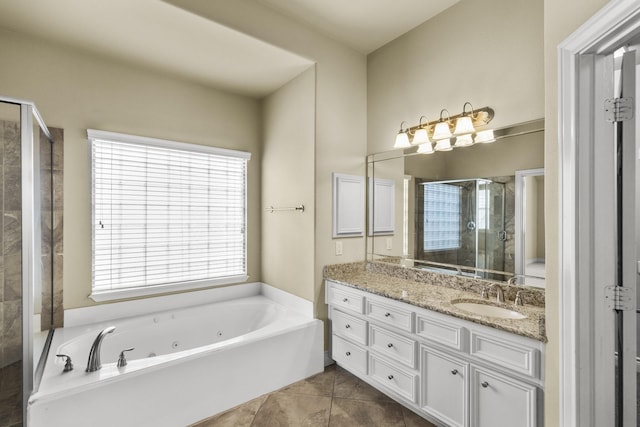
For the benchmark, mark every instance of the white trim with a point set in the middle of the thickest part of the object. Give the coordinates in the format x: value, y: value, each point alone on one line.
x: 100, y: 135
x: 610, y: 27
x: 118, y: 294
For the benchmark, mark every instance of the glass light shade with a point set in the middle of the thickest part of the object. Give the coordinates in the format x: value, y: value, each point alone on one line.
x: 485, y: 136
x: 425, y: 148
x: 402, y: 140
x: 444, y: 145
x: 441, y: 131
x: 464, y: 141
x: 420, y: 136
x: 464, y: 125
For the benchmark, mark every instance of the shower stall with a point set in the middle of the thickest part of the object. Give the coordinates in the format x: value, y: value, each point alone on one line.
x: 462, y: 223
x: 27, y: 258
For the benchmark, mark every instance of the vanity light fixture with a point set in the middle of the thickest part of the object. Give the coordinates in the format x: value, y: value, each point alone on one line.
x: 442, y: 130
x: 402, y: 139
x: 464, y: 124
x: 421, y: 136
x: 465, y: 132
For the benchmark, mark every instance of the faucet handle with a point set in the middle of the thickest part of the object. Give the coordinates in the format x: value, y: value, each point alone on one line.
x: 122, y: 361
x: 68, y: 366
x: 519, y: 299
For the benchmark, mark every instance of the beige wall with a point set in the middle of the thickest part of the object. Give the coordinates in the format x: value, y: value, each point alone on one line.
x: 341, y: 116
x: 474, y: 51
x: 76, y: 91
x: 561, y: 18
x: 288, y: 180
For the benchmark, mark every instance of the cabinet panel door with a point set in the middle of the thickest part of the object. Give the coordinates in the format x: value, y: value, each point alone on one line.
x: 499, y: 401
x: 445, y: 387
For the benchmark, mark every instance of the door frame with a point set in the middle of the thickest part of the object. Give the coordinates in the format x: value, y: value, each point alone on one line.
x: 578, y: 129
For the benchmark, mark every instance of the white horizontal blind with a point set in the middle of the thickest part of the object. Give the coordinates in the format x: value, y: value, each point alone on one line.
x: 165, y: 215
x: 441, y: 217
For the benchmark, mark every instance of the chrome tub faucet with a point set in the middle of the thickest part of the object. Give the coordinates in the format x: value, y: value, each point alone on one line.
x: 93, y: 364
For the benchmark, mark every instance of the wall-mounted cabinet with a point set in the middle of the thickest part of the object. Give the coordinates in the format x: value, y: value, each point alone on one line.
x: 348, y: 205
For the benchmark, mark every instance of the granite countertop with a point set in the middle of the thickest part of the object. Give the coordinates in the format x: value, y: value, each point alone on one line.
x: 438, y: 298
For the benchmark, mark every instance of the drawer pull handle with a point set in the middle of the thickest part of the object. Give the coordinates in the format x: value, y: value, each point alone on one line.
x: 387, y: 314
x: 348, y: 353
x: 454, y: 372
x: 390, y: 345
x: 345, y: 299
x: 347, y: 326
x: 390, y: 377
x: 484, y: 384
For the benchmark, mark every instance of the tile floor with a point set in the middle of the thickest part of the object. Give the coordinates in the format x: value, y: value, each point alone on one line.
x: 11, y: 395
x: 334, y: 398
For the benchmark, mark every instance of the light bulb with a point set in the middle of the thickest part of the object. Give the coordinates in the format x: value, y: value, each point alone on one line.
x: 441, y: 131
x: 402, y: 140
x: 464, y: 125
x: 420, y: 136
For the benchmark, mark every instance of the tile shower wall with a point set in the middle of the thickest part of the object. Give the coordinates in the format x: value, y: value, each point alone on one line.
x: 51, y: 160
x: 11, y: 238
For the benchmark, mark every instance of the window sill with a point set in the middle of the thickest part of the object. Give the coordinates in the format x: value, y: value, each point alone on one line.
x: 150, y: 291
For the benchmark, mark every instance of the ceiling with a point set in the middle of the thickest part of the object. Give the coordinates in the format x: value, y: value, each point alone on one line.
x: 365, y: 25
x: 158, y: 35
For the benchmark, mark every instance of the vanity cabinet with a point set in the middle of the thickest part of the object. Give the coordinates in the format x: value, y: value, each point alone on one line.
x: 454, y: 372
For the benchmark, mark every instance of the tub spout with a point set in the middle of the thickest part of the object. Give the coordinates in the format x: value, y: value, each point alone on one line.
x: 93, y: 364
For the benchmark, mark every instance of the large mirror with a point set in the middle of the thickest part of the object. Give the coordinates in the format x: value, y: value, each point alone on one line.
x: 476, y: 211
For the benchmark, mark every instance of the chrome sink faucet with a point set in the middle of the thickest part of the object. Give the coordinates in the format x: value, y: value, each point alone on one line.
x: 93, y: 364
x: 499, y: 292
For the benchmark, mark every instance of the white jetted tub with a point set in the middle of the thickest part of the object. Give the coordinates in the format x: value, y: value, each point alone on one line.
x: 187, y: 364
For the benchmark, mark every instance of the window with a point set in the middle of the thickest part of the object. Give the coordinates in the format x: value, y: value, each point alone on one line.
x: 441, y: 217
x: 166, y: 215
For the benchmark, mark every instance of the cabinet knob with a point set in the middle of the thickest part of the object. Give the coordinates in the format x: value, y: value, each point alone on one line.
x: 390, y: 345
x: 390, y: 377
x: 345, y: 299
x: 454, y: 372
x: 387, y: 314
x: 348, y: 353
x: 484, y: 384
x: 347, y: 326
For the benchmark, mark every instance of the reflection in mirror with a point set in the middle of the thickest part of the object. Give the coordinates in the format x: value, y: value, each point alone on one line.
x: 529, y: 237
x: 455, y: 212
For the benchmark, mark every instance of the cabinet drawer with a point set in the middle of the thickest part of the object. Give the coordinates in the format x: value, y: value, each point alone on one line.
x: 392, y: 345
x: 392, y: 378
x: 445, y: 387
x: 506, y: 353
x: 346, y: 299
x: 497, y: 400
x: 443, y: 333
x: 349, y: 327
x: 390, y: 314
x: 349, y: 355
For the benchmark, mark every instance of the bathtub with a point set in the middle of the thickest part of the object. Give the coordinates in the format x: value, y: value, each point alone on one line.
x: 187, y: 364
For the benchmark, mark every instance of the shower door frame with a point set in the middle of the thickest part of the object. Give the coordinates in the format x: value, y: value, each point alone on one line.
x: 31, y: 228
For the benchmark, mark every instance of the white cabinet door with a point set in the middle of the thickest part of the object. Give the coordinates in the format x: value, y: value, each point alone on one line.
x: 445, y: 387
x: 500, y: 401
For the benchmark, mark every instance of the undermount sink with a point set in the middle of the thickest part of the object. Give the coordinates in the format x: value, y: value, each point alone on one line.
x: 484, y: 309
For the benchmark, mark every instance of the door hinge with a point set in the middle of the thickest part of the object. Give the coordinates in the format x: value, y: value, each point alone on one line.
x: 618, y: 298
x: 618, y: 109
